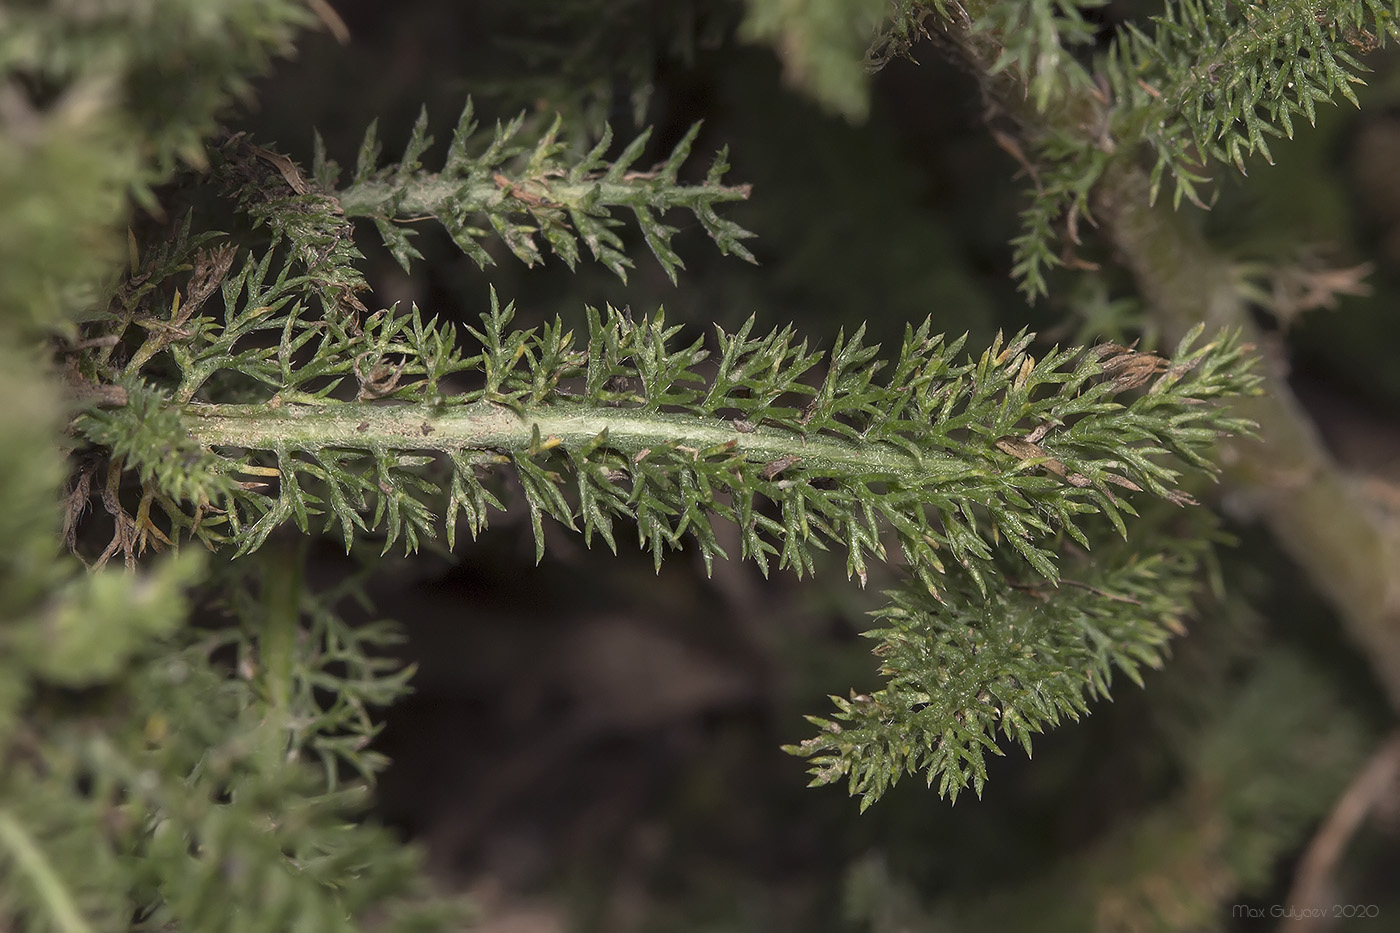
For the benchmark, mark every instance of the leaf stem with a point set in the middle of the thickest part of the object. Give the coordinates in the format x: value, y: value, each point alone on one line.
x: 31, y: 861
x: 277, y: 639
x: 433, y: 195
x: 488, y: 426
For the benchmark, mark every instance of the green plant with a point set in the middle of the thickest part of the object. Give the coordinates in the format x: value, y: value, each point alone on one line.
x: 235, y: 390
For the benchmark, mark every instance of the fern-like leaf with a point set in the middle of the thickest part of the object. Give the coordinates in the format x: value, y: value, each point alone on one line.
x: 963, y: 668
x: 530, y: 193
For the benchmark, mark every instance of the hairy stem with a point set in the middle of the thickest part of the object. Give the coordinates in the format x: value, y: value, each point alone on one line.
x: 434, y: 195
x: 487, y: 426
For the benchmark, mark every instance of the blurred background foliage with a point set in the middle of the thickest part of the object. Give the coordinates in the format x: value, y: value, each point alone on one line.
x: 591, y: 746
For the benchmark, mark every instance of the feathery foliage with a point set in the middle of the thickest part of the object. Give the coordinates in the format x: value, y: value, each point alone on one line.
x: 160, y: 809
x: 953, y: 462
x: 142, y: 786
x: 233, y: 389
x: 1208, y: 81
x: 1267, y: 66
x: 172, y: 64
x: 966, y: 666
x: 525, y: 191
x: 1250, y: 791
x: 1027, y: 444
x: 823, y: 45
x: 1038, y: 39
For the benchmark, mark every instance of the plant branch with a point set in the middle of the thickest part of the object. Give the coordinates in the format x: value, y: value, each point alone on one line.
x: 277, y: 639
x: 434, y: 196
x: 48, y: 883
x: 488, y: 426
x: 932, y: 448
x: 528, y: 192
x: 1313, y: 508
x: 1370, y: 789
x: 1348, y: 551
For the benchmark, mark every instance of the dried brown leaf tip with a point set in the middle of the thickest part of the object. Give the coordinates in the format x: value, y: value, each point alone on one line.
x: 1177, y: 497
x: 1026, y: 449
x: 1312, y: 285
x: 775, y: 467
x: 1029, y: 450
x: 210, y: 269
x: 377, y: 378
x: 1126, y: 367
x: 1128, y: 484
